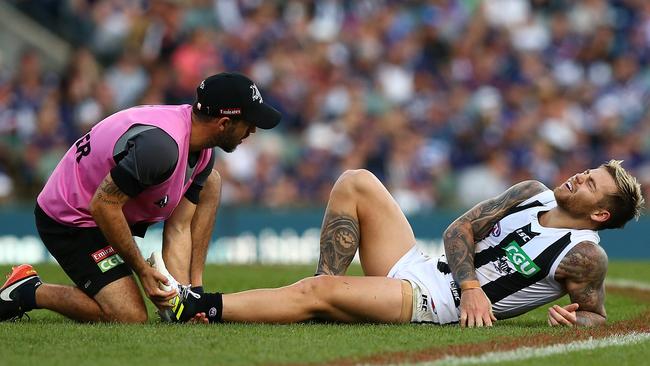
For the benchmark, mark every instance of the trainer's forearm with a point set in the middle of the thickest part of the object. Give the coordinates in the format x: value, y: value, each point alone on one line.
x: 113, y: 224
x: 459, y: 246
x: 589, y: 319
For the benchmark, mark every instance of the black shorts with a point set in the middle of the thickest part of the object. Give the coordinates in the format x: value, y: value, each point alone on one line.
x: 82, y: 252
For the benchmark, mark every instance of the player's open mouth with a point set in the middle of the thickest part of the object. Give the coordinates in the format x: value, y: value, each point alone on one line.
x: 569, y: 186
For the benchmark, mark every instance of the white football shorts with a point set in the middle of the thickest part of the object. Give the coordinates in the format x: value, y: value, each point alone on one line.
x: 433, y: 298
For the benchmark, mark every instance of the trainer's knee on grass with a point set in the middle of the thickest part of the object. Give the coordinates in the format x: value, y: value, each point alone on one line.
x: 124, y: 313
x: 121, y: 301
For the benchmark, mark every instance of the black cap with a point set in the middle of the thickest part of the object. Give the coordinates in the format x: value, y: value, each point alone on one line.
x: 235, y: 95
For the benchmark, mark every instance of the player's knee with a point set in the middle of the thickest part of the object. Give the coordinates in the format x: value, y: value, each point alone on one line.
x: 356, y: 182
x: 314, y: 292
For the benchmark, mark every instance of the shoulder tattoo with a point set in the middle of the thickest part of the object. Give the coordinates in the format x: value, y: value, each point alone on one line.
x: 585, y: 262
x: 484, y: 215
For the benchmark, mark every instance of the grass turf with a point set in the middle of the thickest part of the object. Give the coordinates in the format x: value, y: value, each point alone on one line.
x: 49, y: 339
x: 635, y: 354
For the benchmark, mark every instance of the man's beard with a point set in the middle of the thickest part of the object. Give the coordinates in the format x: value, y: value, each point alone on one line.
x: 570, y: 205
x: 226, y: 142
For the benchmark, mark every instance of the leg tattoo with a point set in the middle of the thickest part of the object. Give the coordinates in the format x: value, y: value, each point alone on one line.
x: 339, y: 242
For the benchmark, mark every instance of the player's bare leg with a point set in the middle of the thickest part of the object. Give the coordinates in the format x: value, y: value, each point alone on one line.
x: 362, y: 215
x: 120, y: 301
x: 339, y: 298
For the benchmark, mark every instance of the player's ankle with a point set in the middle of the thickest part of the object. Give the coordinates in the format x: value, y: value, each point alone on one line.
x: 212, y: 306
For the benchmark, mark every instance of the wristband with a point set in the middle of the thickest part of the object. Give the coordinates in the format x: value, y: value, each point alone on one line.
x: 468, y: 285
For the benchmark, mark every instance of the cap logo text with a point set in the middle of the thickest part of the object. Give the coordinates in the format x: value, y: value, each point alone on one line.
x: 229, y: 111
x: 202, y: 86
x: 256, y: 94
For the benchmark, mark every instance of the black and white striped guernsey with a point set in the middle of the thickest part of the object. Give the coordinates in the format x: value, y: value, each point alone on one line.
x: 516, y: 262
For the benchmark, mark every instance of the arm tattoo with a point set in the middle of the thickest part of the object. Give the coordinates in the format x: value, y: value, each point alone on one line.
x: 461, y: 236
x: 339, y: 241
x: 109, y: 193
x: 583, y: 272
x: 109, y: 187
x: 459, y: 248
x: 106, y: 209
x: 589, y: 319
x: 107, y: 200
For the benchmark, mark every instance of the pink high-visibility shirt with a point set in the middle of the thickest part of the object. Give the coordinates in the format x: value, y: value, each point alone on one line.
x: 67, y: 194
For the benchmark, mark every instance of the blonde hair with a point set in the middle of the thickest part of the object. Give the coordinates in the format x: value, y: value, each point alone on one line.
x: 626, y: 204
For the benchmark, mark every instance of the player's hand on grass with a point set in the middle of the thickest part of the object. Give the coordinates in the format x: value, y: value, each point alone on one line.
x: 199, y: 318
x: 563, y: 315
x: 475, y: 309
x: 150, y: 279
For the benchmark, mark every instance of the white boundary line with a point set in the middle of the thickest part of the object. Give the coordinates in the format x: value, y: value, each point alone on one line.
x: 524, y: 353
x: 623, y: 283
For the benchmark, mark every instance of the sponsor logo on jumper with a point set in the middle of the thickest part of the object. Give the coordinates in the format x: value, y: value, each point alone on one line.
x: 501, y: 266
x: 525, y: 237
x: 256, y: 94
x: 230, y: 111
x: 103, y: 253
x: 521, y: 261
x: 213, y: 312
x: 162, y: 202
x: 110, y: 262
x: 496, y: 230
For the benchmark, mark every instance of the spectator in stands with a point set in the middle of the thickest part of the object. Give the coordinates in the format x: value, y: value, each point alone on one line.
x: 422, y: 94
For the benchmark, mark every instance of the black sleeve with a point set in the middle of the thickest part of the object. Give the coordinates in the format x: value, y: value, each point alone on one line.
x: 192, y: 193
x: 149, y: 158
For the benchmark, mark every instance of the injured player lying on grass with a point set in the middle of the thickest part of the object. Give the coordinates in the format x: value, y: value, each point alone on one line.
x: 506, y: 256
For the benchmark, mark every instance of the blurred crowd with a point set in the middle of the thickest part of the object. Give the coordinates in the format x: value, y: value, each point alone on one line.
x: 446, y: 101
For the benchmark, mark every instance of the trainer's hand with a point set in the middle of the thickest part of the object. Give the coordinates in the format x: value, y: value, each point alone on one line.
x: 562, y: 315
x: 149, y: 277
x: 475, y: 309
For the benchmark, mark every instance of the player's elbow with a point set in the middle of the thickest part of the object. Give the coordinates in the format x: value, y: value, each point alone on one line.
x: 590, y: 319
x: 458, y: 228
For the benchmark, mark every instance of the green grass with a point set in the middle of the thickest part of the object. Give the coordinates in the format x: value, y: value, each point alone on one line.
x: 49, y: 339
x: 630, y: 270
